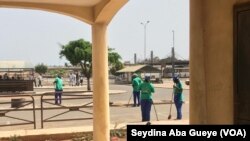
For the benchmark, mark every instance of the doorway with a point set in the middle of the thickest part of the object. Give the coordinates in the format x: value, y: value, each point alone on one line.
x: 242, y: 64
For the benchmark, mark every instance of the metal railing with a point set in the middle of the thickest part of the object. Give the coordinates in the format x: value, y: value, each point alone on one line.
x: 13, y: 106
x: 17, y: 103
x: 47, y: 103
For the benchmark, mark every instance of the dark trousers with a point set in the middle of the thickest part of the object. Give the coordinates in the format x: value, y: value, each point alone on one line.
x: 58, y: 97
x: 145, y: 109
x: 136, y: 95
x: 40, y: 83
x: 178, y: 105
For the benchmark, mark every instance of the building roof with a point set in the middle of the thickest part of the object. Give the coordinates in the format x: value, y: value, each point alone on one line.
x: 139, y: 68
x: 15, y: 65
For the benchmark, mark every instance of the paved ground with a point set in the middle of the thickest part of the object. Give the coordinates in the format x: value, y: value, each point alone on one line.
x: 120, y: 112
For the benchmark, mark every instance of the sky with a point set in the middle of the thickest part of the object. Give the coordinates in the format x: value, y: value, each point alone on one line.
x: 34, y: 36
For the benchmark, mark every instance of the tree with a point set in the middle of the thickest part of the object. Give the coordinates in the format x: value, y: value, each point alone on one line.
x: 41, y: 68
x: 79, y: 53
x: 116, y: 67
x: 114, y: 61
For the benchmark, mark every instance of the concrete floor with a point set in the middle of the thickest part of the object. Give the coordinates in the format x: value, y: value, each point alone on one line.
x: 122, y: 115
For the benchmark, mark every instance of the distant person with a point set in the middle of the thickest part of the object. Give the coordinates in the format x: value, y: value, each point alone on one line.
x: 74, y: 79
x: 40, y: 81
x: 5, y: 76
x: 32, y: 78
x: 58, y: 89
x: 178, y: 97
x: 35, y: 81
x: 70, y: 79
x: 136, y: 81
x: 146, y: 89
x: 77, y: 79
x: 81, y: 80
x: 19, y: 77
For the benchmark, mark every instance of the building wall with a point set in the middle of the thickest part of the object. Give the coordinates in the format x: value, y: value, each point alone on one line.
x: 211, y: 61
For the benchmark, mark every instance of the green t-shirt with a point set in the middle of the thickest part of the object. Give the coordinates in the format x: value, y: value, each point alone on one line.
x: 58, y: 84
x: 178, y: 90
x: 146, y: 90
x: 136, y: 83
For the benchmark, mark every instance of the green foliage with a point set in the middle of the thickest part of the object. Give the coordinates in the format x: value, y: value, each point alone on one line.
x: 117, y: 133
x: 88, y: 136
x: 15, y: 138
x: 56, y: 72
x: 41, y: 68
x: 114, y: 61
x: 121, y: 133
x: 116, y: 67
x: 113, y: 57
x: 82, y: 137
x: 79, y: 53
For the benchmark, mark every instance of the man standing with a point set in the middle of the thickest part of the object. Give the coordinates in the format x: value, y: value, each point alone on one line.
x: 147, y: 89
x: 40, y: 80
x: 58, y: 89
x: 136, y: 81
x: 178, y: 97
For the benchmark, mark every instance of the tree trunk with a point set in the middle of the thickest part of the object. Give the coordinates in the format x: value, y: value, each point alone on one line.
x: 88, y: 84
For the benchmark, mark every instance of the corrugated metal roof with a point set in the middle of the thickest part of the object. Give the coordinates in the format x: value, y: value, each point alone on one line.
x: 138, y: 68
x: 131, y: 68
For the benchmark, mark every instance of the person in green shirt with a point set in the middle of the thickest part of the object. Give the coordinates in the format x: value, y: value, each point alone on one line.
x: 136, y: 81
x: 146, y: 89
x: 58, y: 89
x: 178, y: 97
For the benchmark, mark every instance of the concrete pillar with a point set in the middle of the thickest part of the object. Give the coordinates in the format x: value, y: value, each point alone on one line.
x: 211, y: 61
x: 100, y: 83
x: 198, y: 103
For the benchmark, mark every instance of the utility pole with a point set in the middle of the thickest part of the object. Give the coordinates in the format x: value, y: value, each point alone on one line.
x: 173, y: 58
x: 152, y: 58
x: 135, y: 59
x: 145, y: 38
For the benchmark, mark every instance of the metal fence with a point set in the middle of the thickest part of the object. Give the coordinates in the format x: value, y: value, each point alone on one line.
x: 16, y: 103
x: 58, y: 110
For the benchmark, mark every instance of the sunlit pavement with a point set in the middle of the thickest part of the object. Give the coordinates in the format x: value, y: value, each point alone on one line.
x: 123, y: 115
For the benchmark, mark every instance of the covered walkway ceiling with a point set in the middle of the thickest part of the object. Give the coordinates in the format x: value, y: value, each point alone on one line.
x: 89, y: 11
x: 62, y: 2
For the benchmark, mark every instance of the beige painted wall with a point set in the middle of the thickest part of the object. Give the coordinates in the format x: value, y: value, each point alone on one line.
x: 211, y: 61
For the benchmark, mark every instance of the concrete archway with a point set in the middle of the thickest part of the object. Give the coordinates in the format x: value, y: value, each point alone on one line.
x: 97, y: 13
x: 211, y: 55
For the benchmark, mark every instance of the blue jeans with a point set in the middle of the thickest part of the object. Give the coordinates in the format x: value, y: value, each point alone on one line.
x: 145, y: 109
x: 58, y: 96
x: 136, y: 95
x: 178, y: 104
